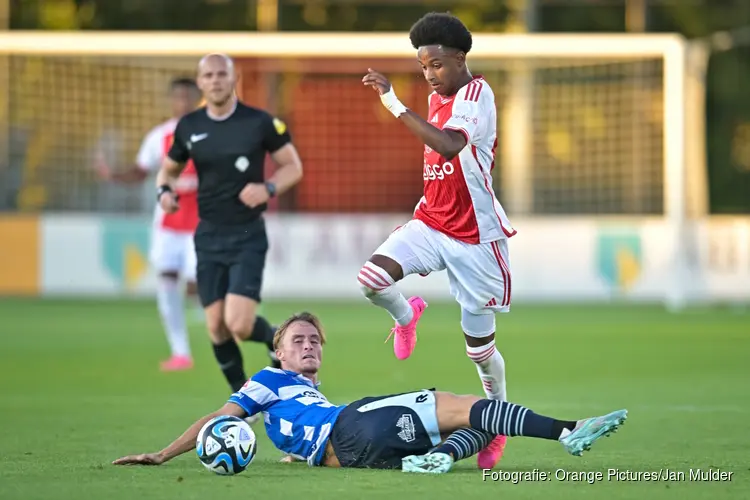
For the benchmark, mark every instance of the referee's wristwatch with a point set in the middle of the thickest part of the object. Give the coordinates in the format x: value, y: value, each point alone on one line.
x: 164, y: 188
x: 271, y: 188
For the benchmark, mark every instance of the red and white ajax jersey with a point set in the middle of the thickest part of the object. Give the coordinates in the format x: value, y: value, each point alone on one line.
x: 458, y: 197
x: 154, y: 148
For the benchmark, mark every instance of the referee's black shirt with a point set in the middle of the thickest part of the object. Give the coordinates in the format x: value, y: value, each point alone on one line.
x: 227, y: 154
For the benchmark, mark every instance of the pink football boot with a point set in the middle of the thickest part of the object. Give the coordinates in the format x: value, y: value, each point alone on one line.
x: 406, y: 336
x: 491, y: 455
x: 177, y: 363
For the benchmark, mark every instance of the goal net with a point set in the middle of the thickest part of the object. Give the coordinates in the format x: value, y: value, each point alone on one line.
x: 587, y: 125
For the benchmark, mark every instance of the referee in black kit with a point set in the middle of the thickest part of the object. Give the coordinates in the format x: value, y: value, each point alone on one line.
x: 227, y: 141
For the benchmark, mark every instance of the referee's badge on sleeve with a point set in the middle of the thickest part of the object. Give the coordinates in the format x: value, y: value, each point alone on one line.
x: 279, y: 125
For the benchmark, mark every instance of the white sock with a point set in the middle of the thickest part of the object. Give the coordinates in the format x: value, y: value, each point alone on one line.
x: 491, y: 368
x: 170, y: 302
x: 380, y: 290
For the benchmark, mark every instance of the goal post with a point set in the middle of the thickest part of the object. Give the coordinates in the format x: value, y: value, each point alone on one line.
x: 274, y: 45
x: 590, y: 125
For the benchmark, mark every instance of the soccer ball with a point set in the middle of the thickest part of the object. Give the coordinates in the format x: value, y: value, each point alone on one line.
x: 226, y: 445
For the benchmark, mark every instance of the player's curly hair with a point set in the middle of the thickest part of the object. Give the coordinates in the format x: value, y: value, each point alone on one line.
x: 307, y: 317
x: 443, y: 29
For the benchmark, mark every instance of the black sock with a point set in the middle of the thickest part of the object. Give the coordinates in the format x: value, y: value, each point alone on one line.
x: 229, y: 357
x: 263, y: 332
x: 559, y: 425
x: 508, y: 419
x: 464, y: 443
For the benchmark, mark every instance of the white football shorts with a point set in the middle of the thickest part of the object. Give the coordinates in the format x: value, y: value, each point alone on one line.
x: 479, y: 275
x: 173, y: 251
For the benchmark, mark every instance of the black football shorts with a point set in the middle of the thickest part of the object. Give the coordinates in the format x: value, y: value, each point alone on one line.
x: 377, y: 432
x: 231, y: 259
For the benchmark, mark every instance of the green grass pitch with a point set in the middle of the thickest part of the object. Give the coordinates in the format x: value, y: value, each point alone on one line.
x: 80, y: 386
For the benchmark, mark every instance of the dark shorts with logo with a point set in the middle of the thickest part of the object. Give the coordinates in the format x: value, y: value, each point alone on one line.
x: 230, y: 259
x: 377, y: 432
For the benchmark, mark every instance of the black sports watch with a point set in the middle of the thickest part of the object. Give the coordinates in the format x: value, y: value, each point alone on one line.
x: 164, y: 188
x: 271, y: 188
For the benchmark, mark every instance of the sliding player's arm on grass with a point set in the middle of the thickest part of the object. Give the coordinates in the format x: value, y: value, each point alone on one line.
x: 252, y: 398
x: 182, y: 444
x: 448, y: 143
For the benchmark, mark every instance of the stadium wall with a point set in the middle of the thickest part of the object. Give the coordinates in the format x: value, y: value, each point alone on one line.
x: 318, y: 256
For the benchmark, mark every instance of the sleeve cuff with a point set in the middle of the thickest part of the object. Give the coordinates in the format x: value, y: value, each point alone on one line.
x: 276, y: 146
x: 463, y: 131
x: 242, y: 402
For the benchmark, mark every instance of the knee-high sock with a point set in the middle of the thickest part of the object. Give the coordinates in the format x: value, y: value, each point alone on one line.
x: 263, y: 332
x: 170, y: 302
x: 464, y: 443
x: 509, y: 419
x: 491, y: 369
x: 378, y: 286
x: 229, y: 357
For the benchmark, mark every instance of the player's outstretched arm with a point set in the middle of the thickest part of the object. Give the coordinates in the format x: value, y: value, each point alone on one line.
x: 131, y: 175
x: 446, y: 142
x: 148, y: 159
x: 182, y: 444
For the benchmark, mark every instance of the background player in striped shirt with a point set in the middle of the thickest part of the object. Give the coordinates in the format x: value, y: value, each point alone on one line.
x: 398, y: 431
x: 458, y: 225
x: 172, y: 250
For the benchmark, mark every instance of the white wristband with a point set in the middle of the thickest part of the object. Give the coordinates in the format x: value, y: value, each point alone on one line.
x: 392, y: 104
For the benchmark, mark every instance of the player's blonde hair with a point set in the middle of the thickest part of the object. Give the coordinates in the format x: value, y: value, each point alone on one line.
x: 305, y: 316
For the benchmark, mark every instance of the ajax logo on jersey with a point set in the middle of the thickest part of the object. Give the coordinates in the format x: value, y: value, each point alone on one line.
x: 438, y: 172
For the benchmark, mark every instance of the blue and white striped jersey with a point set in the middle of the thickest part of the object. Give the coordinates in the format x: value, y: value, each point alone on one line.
x: 298, y: 417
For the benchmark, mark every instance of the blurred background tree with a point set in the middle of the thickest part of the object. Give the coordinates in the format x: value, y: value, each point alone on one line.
x: 690, y: 17
x: 728, y: 105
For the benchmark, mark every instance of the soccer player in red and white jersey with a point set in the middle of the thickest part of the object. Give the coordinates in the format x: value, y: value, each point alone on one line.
x: 172, y: 250
x: 458, y: 225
